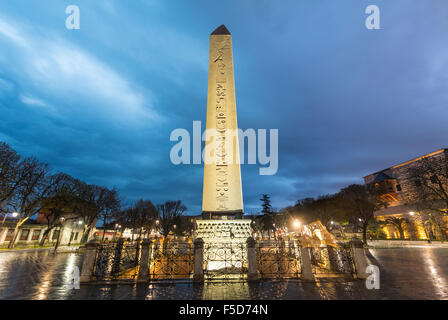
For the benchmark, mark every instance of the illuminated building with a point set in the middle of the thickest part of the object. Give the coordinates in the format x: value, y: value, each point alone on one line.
x: 397, y: 189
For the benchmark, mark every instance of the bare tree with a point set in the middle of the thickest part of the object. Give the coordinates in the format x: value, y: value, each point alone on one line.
x: 63, y: 201
x: 168, y: 213
x: 108, y: 203
x: 36, y: 185
x: 146, y: 215
x: 427, y: 190
x: 326, y: 208
x: 360, y: 203
x: 141, y: 216
x: 96, y: 203
x: 12, y: 173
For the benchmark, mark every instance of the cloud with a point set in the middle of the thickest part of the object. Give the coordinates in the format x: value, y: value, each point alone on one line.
x: 33, y: 101
x: 8, y: 30
x: 54, y: 67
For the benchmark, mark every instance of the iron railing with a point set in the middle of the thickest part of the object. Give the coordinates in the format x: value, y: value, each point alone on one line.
x: 117, y: 261
x: 278, y: 259
x: 171, y: 260
x: 225, y: 261
x: 332, y: 260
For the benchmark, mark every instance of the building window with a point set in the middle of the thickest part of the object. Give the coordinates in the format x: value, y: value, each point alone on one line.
x: 36, y: 234
x: 24, y: 234
x: 398, y: 187
x: 9, y: 235
x: 55, y: 235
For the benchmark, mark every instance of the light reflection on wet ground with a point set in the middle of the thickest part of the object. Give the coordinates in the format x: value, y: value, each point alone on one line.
x: 406, y: 273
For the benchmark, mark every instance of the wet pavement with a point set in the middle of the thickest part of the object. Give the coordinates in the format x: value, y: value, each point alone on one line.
x: 406, y: 273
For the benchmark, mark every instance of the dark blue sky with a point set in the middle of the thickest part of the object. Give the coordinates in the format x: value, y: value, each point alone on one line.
x: 99, y: 103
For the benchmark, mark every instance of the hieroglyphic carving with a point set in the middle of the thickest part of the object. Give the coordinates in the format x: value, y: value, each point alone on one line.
x: 222, y: 175
x: 222, y: 183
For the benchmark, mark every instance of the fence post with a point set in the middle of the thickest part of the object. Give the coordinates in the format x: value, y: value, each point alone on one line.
x: 252, y: 274
x: 143, y: 270
x: 333, y: 257
x: 359, y: 258
x: 198, y: 275
x: 89, y: 261
x: 117, y: 256
x: 307, y: 270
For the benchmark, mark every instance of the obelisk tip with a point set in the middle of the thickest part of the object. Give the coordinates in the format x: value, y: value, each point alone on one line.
x: 221, y: 30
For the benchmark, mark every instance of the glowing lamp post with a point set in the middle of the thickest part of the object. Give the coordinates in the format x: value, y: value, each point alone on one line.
x: 296, y: 225
x: 14, y: 215
x: 117, y: 226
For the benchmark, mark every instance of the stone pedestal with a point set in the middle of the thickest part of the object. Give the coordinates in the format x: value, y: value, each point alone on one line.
x: 252, y: 272
x: 143, y: 270
x: 198, y: 275
x: 307, y: 270
x: 359, y: 257
x: 333, y: 257
x: 89, y: 261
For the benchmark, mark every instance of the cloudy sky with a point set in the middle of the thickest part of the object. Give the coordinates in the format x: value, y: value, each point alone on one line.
x: 100, y: 103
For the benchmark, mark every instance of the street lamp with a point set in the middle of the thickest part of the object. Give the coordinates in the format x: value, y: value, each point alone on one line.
x: 14, y: 215
x: 296, y: 224
x: 115, y: 232
x: 411, y: 213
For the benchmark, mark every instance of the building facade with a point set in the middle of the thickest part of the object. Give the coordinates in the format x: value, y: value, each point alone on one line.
x: 403, y: 217
x: 66, y: 226
x: 31, y: 233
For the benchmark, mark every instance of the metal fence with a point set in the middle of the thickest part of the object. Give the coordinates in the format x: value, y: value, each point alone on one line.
x: 278, y: 259
x: 225, y: 261
x: 117, y: 261
x: 171, y: 260
x: 332, y: 261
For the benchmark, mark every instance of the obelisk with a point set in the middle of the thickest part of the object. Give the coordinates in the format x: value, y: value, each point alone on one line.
x: 222, y: 193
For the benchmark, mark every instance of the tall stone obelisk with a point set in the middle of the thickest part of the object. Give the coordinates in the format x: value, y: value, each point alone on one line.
x: 222, y: 193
